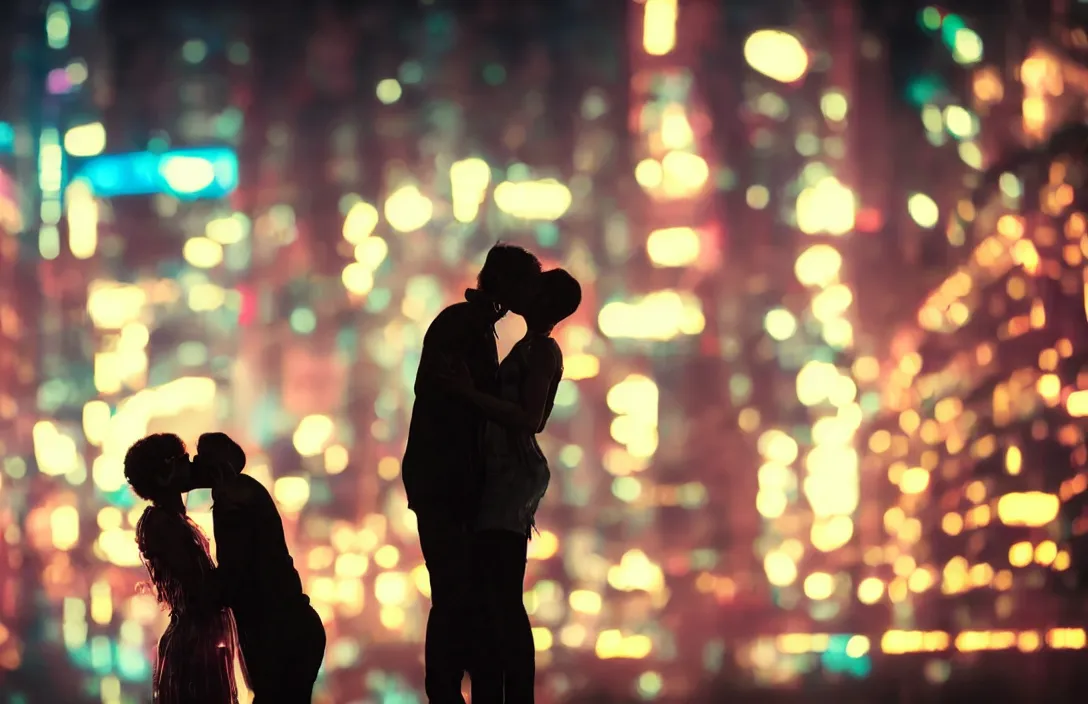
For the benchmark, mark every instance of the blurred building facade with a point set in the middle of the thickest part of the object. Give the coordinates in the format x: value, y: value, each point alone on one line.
x: 983, y: 454
x: 785, y: 309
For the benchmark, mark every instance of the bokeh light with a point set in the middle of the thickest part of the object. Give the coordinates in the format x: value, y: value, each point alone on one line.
x: 822, y: 404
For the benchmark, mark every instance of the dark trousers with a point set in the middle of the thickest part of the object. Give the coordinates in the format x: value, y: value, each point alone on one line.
x: 282, y: 653
x: 449, y: 651
x: 507, y: 668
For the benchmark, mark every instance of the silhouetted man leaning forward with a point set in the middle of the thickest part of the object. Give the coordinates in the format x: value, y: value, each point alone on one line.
x: 280, y: 635
x: 443, y: 463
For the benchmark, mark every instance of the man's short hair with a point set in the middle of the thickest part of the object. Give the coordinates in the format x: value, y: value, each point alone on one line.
x: 560, y: 294
x: 147, y: 464
x: 223, y: 446
x: 506, y: 265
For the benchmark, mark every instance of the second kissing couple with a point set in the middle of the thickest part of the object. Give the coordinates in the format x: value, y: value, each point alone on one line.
x: 475, y: 475
x: 252, y: 601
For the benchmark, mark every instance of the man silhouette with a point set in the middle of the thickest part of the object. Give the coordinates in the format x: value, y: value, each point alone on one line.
x: 442, y: 468
x: 280, y: 635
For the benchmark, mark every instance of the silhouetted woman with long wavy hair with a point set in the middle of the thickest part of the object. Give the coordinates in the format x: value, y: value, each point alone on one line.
x: 195, y: 662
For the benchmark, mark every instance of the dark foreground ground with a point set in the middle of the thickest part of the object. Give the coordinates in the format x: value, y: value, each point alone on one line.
x: 998, y: 678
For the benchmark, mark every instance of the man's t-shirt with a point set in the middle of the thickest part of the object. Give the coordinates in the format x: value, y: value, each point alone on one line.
x: 256, y: 573
x: 442, y: 467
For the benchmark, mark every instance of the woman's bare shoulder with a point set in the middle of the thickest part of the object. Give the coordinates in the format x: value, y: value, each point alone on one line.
x: 546, y: 351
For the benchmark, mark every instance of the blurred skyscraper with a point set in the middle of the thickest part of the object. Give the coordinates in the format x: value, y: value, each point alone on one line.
x: 749, y: 154
x: 984, y: 449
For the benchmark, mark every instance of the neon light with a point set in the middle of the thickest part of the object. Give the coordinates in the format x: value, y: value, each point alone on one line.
x: 187, y: 174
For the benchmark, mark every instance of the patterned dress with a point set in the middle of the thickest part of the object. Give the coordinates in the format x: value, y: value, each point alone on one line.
x: 516, y: 474
x: 195, y: 663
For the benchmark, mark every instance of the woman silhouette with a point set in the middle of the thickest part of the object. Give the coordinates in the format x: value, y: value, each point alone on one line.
x: 196, y: 653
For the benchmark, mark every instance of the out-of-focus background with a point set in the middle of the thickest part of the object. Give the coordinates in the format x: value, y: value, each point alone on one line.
x: 822, y: 433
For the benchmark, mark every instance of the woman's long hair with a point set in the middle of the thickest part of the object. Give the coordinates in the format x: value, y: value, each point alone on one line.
x: 163, y: 549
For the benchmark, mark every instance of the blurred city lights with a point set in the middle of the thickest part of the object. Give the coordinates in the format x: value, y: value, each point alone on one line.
x: 776, y: 54
x: 923, y: 210
x: 828, y: 207
x: 407, y: 209
x: 85, y: 140
x: 765, y: 456
x: 659, y: 33
x: 967, y: 46
x: 187, y: 174
x: 546, y: 199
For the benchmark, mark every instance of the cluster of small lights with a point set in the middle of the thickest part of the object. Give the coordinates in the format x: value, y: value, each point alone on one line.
x: 809, y: 486
x: 944, y: 118
x: 987, y: 391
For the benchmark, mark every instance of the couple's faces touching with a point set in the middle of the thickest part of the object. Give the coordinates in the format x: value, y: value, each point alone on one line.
x: 183, y: 474
x: 523, y: 295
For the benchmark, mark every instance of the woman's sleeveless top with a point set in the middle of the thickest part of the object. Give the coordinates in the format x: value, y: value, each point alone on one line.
x: 516, y: 473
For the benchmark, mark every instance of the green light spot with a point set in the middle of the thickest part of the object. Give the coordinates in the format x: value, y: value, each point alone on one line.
x: 930, y: 18
x: 238, y: 54
x: 967, y: 47
x: 518, y: 172
x: 229, y: 123
x: 649, y: 685
x: 389, y: 91
x: 57, y: 26
x: 547, y: 235
x: 950, y: 28
x: 194, y: 51
x: 566, y: 395
x: 570, y: 456
x: 626, y: 489
x: 1010, y: 185
x: 378, y: 300
x: 494, y: 74
x: 725, y: 179
x: 303, y: 321
x: 192, y: 354
x: 15, y: 467
x: 924, y: 90
x: 411, y: 72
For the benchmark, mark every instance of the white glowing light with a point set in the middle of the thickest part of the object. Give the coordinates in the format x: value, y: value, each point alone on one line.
x: 546, y: 199
x: 776, y: 54
x: 923, y: 210
x: 408, y: 210
x: 85, y: 140
x: 186, y: 174
x: 828, y: 207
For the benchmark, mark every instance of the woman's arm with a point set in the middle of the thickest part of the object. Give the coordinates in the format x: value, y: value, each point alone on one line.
x: 529, y: 415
